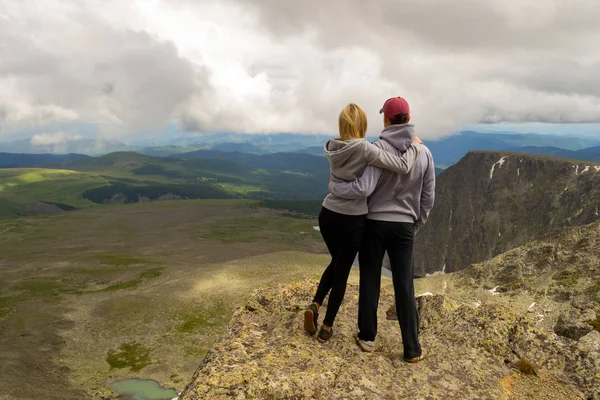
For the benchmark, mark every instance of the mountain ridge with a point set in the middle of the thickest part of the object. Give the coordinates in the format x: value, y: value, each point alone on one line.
x: 20, y: 160
x: 533, y: 156
x: 446, y: 150
x: 492, y: 201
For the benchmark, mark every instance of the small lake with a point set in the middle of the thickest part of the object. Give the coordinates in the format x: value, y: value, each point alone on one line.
x: 143, y: 389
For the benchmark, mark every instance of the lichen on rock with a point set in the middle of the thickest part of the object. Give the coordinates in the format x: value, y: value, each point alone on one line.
x: 530, y: 338
x: 267, y: 355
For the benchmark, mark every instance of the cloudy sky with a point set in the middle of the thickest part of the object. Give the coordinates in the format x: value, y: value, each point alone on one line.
x: 118, y: 68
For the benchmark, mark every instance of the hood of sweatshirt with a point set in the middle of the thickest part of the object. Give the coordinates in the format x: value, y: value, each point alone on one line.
x: 339, y: 151
x: 399, y: 136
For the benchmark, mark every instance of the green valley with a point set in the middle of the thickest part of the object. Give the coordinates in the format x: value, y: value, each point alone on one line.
x: 140, y: 290
x: 133, y: 178
x: 141, y: 261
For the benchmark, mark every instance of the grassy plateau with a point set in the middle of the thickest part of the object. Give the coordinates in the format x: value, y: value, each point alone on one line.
x: 141, y: 290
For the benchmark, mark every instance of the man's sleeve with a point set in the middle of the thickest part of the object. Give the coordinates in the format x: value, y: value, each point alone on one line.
x: 402, y: 164
x: 428, y: 193
x: 358, y: 189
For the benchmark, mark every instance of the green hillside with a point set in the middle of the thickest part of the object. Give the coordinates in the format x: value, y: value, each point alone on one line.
x: 127, y: 177
x: 231, y: 178
x: 25, y: 191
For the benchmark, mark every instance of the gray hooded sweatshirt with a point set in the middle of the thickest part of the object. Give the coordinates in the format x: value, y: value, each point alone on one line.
x: 393, y: 197
x: 348, y: 160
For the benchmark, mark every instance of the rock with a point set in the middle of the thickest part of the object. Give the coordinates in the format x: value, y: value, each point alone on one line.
x: 559, y: 356
x: 431, y: 308
x: 267, y: 355
x: 569, y: 327
x: 587, y: 315
x: 590, y: 343
x: 557, y: 265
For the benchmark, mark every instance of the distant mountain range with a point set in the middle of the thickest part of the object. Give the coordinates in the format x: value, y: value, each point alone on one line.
x: 13, y: 160
x: 446, y: 151
x: 245, y: 143
x: 309, y: 159
x: 590, y: 154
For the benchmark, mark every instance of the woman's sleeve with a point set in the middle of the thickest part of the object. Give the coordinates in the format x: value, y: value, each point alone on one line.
x: 383, y: 159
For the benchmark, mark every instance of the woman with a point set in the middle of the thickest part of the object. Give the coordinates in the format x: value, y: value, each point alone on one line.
x: 342, y: 221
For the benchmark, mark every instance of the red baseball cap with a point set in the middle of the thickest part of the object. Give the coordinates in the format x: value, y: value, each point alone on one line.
x: 395, y: 106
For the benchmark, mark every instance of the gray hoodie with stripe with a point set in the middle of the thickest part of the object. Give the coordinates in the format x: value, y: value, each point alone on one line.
x: 348, y: 160
x: 392, y: 197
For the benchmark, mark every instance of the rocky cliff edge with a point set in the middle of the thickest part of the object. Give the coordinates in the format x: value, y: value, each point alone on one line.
x: 538, y: 339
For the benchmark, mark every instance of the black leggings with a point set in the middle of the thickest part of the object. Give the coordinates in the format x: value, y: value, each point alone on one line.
x: 343, y: 235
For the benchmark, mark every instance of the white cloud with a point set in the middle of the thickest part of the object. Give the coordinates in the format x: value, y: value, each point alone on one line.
x: 56, y: 142
x: 62, y: 61
x: 290, y: 66
x: 51, y: 139
x: 23, y: 114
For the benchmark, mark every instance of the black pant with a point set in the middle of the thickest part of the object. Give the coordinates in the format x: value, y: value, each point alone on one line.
x: 342, y: 235
x: 397, y: 239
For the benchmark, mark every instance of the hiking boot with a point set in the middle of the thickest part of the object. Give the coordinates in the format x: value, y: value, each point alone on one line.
x: 311, y: 315
x: 365, y: 345
x: 416, y: 359
x: 324, y: 334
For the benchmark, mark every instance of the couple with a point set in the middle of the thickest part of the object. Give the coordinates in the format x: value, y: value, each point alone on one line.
x: 380, y: 195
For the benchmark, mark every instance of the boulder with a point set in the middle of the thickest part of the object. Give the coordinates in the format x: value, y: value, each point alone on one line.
x: 571, y: 327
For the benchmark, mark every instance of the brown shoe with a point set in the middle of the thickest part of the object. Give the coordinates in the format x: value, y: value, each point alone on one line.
x: 324, y: 334
x: 416, y: 359
x: 311, y: 315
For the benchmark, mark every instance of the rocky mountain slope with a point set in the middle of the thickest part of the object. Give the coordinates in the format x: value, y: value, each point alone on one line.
x: 491, y: 202
x: 524, y: 325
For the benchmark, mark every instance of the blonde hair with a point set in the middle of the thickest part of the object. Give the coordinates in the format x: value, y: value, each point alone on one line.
x: 352, y: 122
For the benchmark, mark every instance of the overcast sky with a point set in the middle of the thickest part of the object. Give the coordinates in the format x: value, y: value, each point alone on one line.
x: 125, y: 67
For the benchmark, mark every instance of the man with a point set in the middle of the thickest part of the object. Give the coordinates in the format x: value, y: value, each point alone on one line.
x: 398, y: 206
